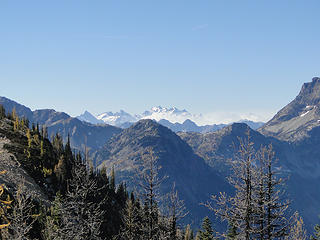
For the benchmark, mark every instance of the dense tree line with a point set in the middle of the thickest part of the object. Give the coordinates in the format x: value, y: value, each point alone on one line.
x: 86, y: 203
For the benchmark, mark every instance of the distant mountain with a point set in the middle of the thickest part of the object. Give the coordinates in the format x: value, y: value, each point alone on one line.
x: 253, y: 125
x: 194, y: 179
x: 171, y: 114
x: 173, y: 118
x: 88, y: 117
x: 216, y: 147
x: 295, y: 121
x: 21, y: 110
x: 82, y: 134
x: 300, y: 165
x: 190, y: 126
x: 195, y: 157
x: 116, y: 119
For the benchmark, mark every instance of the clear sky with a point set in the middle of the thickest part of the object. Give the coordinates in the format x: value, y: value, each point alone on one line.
x: 205, y: 56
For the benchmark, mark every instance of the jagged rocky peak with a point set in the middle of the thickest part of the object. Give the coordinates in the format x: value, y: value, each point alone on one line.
x: 294, y: 121
x: 90, y: 118
x: 310, y: 92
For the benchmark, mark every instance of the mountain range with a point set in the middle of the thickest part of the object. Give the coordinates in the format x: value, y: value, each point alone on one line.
x: 196, y: 160
x: 82, y: 134
x: 173, y: 118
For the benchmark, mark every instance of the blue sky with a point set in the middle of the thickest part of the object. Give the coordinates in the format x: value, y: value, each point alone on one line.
x: 205, y: 56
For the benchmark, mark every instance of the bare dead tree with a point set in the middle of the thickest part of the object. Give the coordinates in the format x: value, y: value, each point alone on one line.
x: 5, y: 204
x: 174, y: 211
x: 258, y: 208
x: 239, y: 209
x: 297, y: 229
x: 22, y: 215
x: 80, y: 217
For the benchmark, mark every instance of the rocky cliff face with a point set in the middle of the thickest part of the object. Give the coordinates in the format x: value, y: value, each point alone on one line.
x: 295, y: 121
x: 10, y: 162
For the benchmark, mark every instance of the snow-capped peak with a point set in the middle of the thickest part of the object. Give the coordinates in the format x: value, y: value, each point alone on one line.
x: 117, y: 118
x: 88, y: 117
x: 172, y: 114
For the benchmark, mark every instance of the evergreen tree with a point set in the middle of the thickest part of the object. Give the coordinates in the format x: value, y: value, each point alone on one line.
x: 29, y: 138
x: 257, y: 211
x: 132, y: 221
x: 81, y: 217
x: 57, y: 144
x: 206, y: 233
x: 2, y: 112
x: 275, y: 205
x: 188, y: 235
x: 231, y: 232
x: 149, y: 183
x: 316, y: 234
x: 198, y: 236
x: 174, y: 211
x: 53, y: 220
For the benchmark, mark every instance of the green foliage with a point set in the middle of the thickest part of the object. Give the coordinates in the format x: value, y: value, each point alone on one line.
x: 29, y: 138
x: 188, y: 233
x: 52, y: 219
x: 41, y: 148
x: 316, y: 234
x: 206, y: 233
x: 2, y: 112
x: 232, y: 232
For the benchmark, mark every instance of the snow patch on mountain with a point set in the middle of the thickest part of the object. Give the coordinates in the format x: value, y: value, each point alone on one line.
x: 116, y: 119
x: 171, y: 114
x: 88, y: 117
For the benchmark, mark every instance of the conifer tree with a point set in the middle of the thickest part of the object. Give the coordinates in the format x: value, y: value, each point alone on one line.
x: 41, y: 148
x: 2, y: 112
x: 198, y: 236
x: 57, y: 144
x: 29, y: 138
x: 240, y: 208
x: 132, y: 220
x: 206, y: 232
x: 53, y: 220
x: 231, y: 232
x: 258, y: 209
x: 61, y: 171
x: 297, y: 229
x: 14, y: 114
x: 81, y: 216
x: 149, y: 183
x: 188, y: 233
x: 174, y: 211
x: 276, y: 225
x: 316, y: 234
